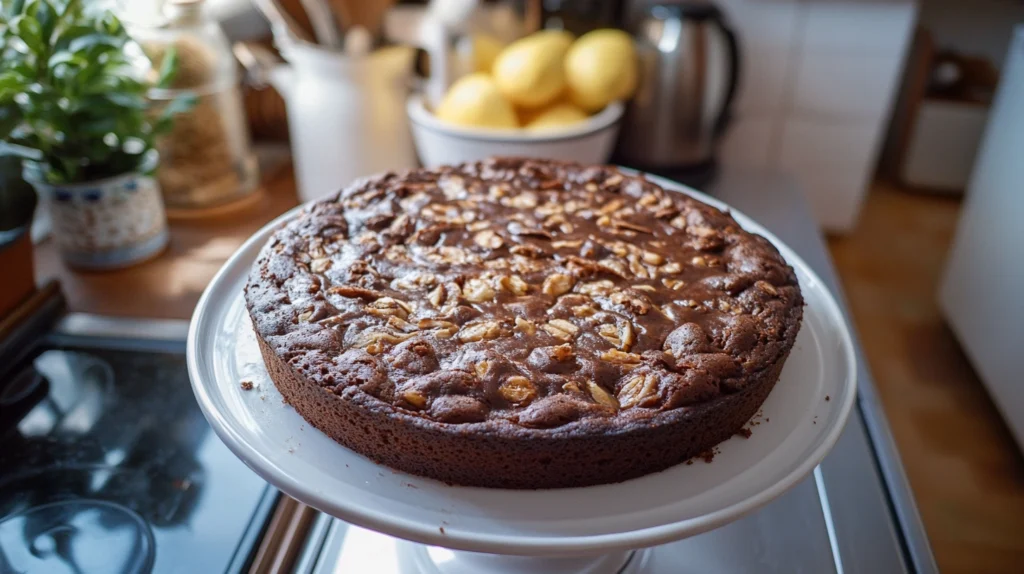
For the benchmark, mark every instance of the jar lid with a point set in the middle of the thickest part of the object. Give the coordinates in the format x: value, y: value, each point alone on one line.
x: 187, y: 12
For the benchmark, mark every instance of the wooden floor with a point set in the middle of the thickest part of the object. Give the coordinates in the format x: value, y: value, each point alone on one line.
x: 964, y: 468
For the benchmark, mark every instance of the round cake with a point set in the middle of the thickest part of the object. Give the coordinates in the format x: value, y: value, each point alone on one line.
x: 520, y: 323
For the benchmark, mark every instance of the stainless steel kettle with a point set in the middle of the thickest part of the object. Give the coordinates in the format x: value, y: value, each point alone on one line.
x: 689, y: 62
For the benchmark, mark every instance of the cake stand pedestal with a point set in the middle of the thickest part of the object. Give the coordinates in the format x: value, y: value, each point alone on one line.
x: 422, y: 559
x: 463, y: 530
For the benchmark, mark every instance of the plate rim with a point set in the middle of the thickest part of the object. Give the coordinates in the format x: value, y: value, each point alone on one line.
x: 548, y: 545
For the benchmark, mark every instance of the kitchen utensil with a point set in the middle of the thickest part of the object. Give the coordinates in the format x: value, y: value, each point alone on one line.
x: 440, y: 143
x: 325, y: 27
x: 443, y: 19
x: 358, y: 41
x: 807, y: 411
x: 257, y: 61
x: 281, y: 22
x: 346, y: 114
x: 578, y: 16
x: 366, y: 13
x: 689, y: 61
x: 265, y: 109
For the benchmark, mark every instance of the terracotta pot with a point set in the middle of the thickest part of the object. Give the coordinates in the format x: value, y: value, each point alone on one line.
x: 16, y: 262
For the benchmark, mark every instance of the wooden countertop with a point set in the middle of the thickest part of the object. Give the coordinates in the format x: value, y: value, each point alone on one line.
x: 169, y: 286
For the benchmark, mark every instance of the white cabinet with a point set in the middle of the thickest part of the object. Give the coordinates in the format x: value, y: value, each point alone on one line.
x: 832, y: 159
x: 848, y: 86
x: 982, y: 291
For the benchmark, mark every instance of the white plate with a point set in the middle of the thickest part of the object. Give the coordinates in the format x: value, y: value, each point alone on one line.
x: 800, y: 422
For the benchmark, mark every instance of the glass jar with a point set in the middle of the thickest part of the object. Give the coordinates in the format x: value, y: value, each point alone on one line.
x: 206, y: 159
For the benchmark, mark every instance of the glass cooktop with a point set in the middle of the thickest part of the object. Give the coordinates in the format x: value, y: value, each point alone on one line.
x: 107, y: 465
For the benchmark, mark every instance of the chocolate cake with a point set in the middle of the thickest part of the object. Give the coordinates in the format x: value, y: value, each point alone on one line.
x: 522, y: 323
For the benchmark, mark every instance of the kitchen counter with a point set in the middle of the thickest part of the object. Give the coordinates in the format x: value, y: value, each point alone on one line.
x: 169, y: 286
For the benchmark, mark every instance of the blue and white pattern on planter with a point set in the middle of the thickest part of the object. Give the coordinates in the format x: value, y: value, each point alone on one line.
x: 107, y: 224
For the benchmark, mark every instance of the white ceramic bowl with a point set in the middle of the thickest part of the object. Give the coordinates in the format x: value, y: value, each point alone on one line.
x: 440, y: 143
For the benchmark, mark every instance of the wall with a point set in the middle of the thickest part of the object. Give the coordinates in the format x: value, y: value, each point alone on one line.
x: 818, y: 86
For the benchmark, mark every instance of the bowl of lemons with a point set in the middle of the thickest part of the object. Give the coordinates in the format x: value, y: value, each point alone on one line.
x: 545, y: 95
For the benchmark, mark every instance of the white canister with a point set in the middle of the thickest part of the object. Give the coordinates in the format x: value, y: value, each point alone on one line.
x: 105, y: 224
x: 346, y: 114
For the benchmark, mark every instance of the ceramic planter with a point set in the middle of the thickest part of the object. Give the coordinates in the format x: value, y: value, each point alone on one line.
x: 106, y: 224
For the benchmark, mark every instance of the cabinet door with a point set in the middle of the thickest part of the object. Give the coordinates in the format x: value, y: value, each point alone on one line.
x: 981, y: 292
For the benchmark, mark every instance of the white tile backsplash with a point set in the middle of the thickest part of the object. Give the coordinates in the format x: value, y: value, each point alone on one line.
x: 818, y: 81
x: 764, y: 22
x: 857, y: 26
x: 844, y: 85
x: 764, y: 76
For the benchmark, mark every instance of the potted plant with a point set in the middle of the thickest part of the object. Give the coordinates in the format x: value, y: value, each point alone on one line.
x: 73, y: 106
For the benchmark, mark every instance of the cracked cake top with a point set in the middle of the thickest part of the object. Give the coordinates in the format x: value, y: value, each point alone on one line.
x: 524, y: 294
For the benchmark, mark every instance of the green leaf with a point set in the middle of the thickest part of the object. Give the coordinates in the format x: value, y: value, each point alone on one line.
x: 180, y: 105
x: 15, y: 8
x: 111, y: 25
x: 168, y: 68
x: 9, y: 120
x: 68, y: 33
x: 71, y: 11
x: 22, y: 69
x: 136, y: 101
x: 85, y: 43
x: 11, y: 80
x: 27, y: 29
x: 99, y: 126
x: 7, y: 148
x: 66, y: 83
x: 47, y: 18
x: 165, y: 121
x: 64, y: 58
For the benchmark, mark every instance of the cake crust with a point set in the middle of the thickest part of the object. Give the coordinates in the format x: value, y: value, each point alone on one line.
x: 522, y: 323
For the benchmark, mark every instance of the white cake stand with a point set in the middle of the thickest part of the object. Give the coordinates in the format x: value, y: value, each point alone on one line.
x: 462, y: 530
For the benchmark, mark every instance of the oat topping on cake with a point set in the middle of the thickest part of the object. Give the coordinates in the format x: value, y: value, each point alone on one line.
x: 523, y: 293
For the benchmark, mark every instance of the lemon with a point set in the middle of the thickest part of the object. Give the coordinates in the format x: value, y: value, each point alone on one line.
x: 475, y: 101
x: 530, y: 71
x: 600, y: 68
x: 478, y: 52
x: 556, y: 117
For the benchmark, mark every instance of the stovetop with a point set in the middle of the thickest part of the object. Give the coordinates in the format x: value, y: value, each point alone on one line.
x: 109, y: 466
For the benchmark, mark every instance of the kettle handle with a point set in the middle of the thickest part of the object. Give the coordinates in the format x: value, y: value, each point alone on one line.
x: 735, y: 62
